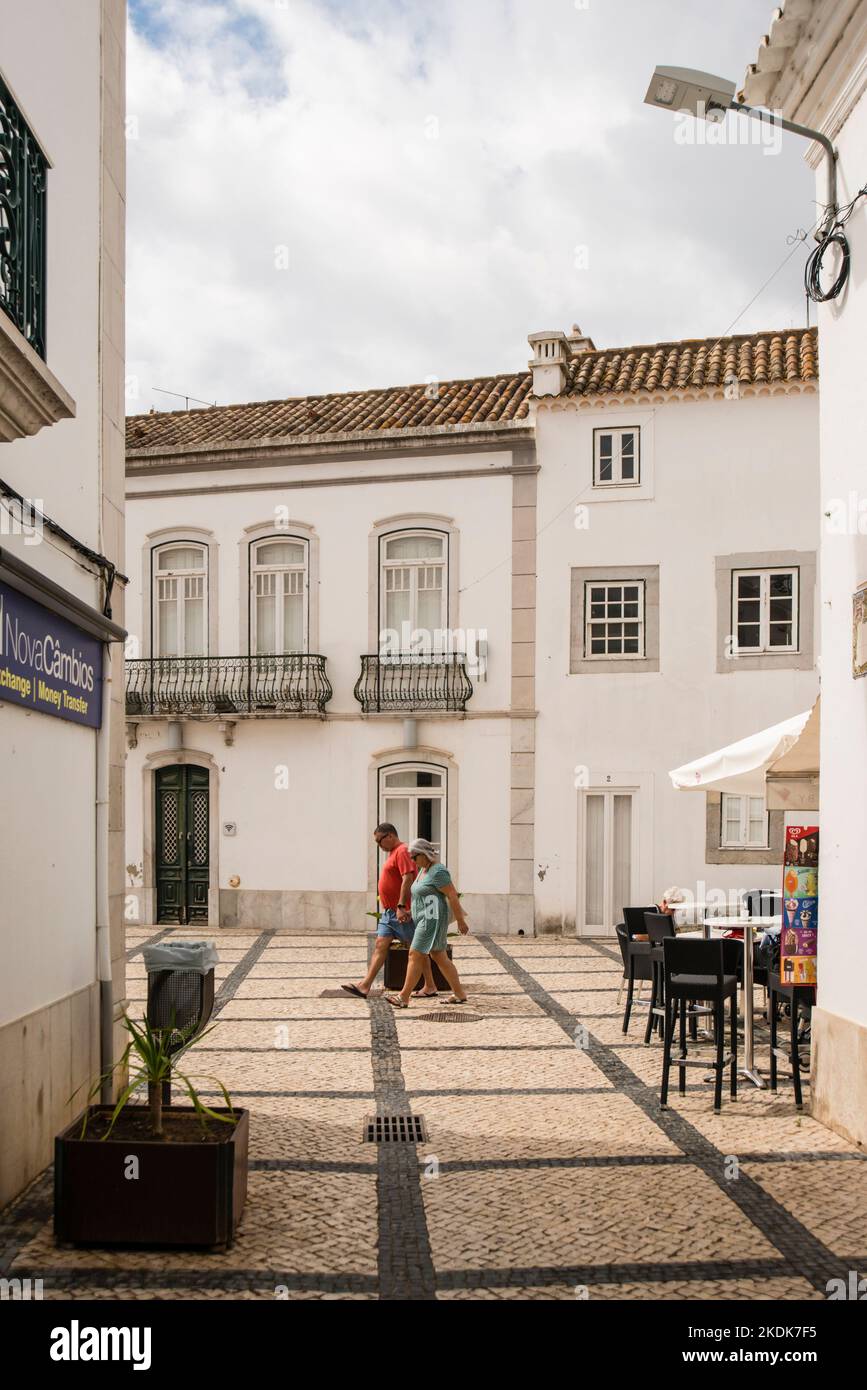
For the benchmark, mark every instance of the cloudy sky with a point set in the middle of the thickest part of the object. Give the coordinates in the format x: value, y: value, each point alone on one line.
x: 333, y: 194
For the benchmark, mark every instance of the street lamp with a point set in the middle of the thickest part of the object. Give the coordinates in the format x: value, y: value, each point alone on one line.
x: 705, y: 96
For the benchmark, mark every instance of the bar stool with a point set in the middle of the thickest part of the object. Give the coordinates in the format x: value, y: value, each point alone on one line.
x: 636, y: 966
x: 794, y: 995
x: 697, y: 971
x: 659, y: 927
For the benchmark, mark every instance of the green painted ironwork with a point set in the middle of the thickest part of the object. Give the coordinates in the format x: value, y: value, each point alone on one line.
x: 182, y: 844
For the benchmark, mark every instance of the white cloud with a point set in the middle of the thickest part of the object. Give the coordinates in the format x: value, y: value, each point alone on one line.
x: 428, y: 172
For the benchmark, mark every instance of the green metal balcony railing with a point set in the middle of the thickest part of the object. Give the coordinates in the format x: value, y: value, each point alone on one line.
x: 23, y: 169
x: 227, y: 685
x: 413, y: 682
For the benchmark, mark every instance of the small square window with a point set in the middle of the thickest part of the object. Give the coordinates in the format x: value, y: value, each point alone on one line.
x: 765, y: 611
x: 607, y: 633
x: 616, y: 458
x: 743, y: 822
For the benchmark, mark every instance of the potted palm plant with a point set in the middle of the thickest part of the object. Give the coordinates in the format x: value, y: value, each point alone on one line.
x: 154, y: 1173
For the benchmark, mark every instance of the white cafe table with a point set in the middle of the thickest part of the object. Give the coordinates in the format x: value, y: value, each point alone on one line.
x: 748, y: 925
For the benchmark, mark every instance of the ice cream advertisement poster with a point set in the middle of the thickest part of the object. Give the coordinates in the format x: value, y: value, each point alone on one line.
x: 800, y: 905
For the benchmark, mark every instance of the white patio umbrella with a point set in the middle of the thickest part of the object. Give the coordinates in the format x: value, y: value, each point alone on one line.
x: 741, y: 767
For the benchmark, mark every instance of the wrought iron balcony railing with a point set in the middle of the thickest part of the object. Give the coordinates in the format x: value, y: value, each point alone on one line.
x: 23, y: 168
x: 227, y: 685
x: 412, y: 682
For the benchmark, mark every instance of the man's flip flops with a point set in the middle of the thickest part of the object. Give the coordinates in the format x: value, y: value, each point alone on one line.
x: 354, y: 990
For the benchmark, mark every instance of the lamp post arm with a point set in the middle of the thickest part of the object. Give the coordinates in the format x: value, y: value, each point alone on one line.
x: 808, y: 134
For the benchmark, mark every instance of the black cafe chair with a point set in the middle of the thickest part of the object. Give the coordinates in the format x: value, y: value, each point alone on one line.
x: 659, y: 926
x: 634, y: 919
x: 700, y: 971
x: 636, y: 966
x: 763, y: 902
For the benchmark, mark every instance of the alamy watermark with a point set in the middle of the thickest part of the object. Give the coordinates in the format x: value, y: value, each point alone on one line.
x: 763, y: 130
x: 22, y: 516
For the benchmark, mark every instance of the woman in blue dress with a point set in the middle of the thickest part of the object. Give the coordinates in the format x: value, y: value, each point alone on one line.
x: 434, y: 899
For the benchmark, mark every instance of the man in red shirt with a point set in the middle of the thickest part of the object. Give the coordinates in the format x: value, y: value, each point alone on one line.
x: 395, y: 922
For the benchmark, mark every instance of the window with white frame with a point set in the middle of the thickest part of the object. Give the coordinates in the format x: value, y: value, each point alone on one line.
x: 279, y: 586
x: 765, y: 610
x: 614, y: 619
x: 412, y: 797
x: 616, y: 460
x: 743, y: 822
x: 180, y: 600
x: 413, y: 587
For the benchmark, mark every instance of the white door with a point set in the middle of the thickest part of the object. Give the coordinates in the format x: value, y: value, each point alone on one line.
x: 607, y: 859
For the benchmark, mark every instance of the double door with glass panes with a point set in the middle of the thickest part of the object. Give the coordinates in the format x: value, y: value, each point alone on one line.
x: 182, y: 843
x: 607, y: 860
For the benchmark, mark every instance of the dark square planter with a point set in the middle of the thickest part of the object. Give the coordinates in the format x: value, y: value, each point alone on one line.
x: 186, y: 1194
x: 395, y: 968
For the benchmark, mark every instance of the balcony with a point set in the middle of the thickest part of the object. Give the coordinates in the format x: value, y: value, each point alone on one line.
x: 393, y: 684
x: 30, y: 395
x: 227, y: 685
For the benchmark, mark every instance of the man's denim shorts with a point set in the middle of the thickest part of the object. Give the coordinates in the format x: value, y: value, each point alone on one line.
x: 390, y: 926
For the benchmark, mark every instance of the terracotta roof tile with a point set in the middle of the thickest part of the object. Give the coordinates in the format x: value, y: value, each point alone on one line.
x: 488, y: 400
x: 754, y: 359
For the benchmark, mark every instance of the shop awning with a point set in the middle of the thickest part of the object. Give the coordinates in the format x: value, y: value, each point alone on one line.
x: 792, y: 780
x: 742, y: 767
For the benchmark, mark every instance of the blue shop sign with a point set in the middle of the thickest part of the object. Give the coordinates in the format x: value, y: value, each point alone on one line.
x: 48, y: 664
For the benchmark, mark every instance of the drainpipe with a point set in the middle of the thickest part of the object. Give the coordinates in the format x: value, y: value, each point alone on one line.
x: 410, y: 733
x: 103, y: 932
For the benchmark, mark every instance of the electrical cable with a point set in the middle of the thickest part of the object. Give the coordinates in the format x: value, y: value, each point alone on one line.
x: 833, y: 236
x: 25, y: 508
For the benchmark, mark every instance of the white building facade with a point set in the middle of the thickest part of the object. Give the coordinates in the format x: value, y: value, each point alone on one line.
x: 62, y: 978
x: 296, y: 564
x: 812, y: 67
x: 328, y: 631
x: 677, y: 609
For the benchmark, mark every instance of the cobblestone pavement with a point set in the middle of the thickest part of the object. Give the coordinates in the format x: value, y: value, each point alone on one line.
x: 549, y: 1170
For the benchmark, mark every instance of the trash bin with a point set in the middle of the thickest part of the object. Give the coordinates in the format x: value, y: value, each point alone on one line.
x: 180, y: 991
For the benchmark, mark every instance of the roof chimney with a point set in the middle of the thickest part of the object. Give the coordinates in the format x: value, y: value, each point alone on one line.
x: 549, y: 363
x: 578, y: 342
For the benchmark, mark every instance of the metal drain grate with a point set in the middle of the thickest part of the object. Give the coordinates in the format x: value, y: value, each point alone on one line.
x: 394, y: 1129
x: 447, y: 1016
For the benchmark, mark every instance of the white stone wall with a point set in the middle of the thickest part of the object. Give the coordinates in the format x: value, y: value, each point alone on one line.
x: 51, y: 58
x: 842, y: 961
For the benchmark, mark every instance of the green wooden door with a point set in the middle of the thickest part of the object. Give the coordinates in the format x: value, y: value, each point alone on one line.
x: 182, y: 844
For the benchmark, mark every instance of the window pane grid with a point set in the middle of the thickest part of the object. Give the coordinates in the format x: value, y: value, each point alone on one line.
x: 180, y: 599
x: 744, y: 822
x: 614, y: 624
x: 279, y: 579
x: 616, y: 461
x: 414, y: 590
x: 765, y: 611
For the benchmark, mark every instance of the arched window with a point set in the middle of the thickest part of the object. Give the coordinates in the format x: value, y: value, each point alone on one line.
x: 180, y: 600
x: 412, y: 796
x: 279, y: 587
x: 413, y: 587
